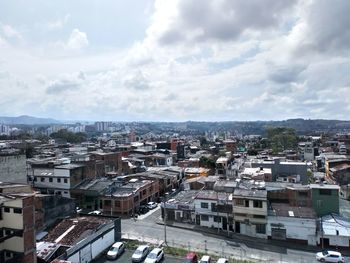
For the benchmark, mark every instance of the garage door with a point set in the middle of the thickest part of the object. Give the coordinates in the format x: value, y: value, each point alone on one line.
x: 278, y: 233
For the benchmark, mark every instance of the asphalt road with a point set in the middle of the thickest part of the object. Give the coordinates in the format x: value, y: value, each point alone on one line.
x: 146, y: 230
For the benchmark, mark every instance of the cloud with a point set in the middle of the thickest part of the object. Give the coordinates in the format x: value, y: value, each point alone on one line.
x: 137, y: 81
x: 65, y: 83
x: 59, y: 23
x: 322, y: 28
x: 205, y: 20
x: 9, y: 33
x: 286, y: 73
x: 77, y: 40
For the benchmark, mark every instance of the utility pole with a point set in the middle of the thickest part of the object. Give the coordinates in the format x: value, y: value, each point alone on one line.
x: 164, y: 218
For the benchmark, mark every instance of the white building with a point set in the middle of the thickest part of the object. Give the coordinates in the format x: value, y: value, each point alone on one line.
x: 297, y: 224
x: 214, y: 209
x: 336, y: 231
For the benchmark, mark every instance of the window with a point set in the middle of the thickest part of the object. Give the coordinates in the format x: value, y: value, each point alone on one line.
x: 107, y: 202
x: 204, y: 217
x: 17, y: 210
x: 257, y: 204
x: 50, y: 180
x: 65, y: 180
x: 204, y: 205
x: 239, y: 202
x: 6, y: 209
x: 35, y: 179
x: 259, y: 216
x: 8, y: 232
x: 42, y: 179
x: 58, y: 180
x: 325, y: 191
x: 66, y: 192
x: 213, y: 207
x: 117, y: 203
x: 217, y: 219
x: 260, y: 228
x: 8, y: 254
x: 246, y: 203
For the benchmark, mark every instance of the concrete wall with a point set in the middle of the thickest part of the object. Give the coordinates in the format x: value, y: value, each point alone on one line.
x: 13, y: 169
x: 296, y: 228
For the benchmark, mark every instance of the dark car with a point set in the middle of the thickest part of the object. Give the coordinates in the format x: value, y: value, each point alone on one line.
x: 191, y: 257
x: 143, y: 209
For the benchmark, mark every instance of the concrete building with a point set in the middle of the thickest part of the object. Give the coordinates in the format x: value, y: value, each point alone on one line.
x: 13, y: 167
x: 292, y: 223
x: 250, y: 212
x: 17, y: 243
x: 334, y: 231
x: 214, y: 209
x: 58, y: 180
x: 325, y: 199
x: 79, y: 239
x: 260, y: 174
x: 283, y: 168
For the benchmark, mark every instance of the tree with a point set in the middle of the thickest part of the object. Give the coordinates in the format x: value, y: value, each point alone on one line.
x: 69, y: 136
x: 282, y: 139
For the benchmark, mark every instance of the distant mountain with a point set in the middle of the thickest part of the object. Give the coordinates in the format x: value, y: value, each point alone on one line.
x: 28, y: 120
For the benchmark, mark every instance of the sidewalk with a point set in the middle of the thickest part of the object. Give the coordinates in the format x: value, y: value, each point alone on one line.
x: 235, y: 239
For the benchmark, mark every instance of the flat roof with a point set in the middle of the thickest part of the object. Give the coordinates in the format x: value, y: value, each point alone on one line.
x: 285, y: 210
x: 250, y: 193
x: 69, y: 166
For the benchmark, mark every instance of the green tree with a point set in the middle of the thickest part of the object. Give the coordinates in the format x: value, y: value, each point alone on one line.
x: 282, y: 139
x: 69, y: 136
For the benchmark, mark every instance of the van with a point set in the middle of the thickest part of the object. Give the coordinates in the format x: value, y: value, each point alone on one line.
x: 205, y: 259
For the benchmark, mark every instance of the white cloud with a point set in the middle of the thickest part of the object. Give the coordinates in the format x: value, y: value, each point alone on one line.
x: 199, y: 60
x: 59, y: 23
x: 77, y: 40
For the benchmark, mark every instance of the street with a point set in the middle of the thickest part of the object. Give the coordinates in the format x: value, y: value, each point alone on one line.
x: 147, y: 230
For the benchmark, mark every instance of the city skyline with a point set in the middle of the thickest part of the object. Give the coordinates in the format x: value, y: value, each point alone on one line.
x: 175, y: 60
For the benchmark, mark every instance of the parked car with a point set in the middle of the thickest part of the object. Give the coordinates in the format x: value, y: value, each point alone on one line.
x: 116, y: 250
x: 152, y: 205
x: 96, y: 212
x: 222, y: 260
x: 330, y: 256
x: 143, y: 209
x: 205, y: 259
x: 191, y: 257
x: 155, y: 256
x: 140, y: 253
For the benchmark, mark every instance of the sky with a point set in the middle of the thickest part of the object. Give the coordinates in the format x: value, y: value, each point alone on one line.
x: 175, y: 60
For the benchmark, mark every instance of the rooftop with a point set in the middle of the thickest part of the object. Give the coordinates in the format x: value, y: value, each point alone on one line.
x: 71, y: 231
x: 250, y: 193
x: 284, y: 210
x: 69, y: 166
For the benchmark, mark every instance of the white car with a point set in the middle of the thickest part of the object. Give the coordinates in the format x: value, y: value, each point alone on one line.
x: 116, y: 250
x: 205, y: 259
x: 96, y: 212
x: 155, y: 256
x: 330, y: 256
x: 152, y: 205
x: 222, y: 260
x: 140, y: 253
